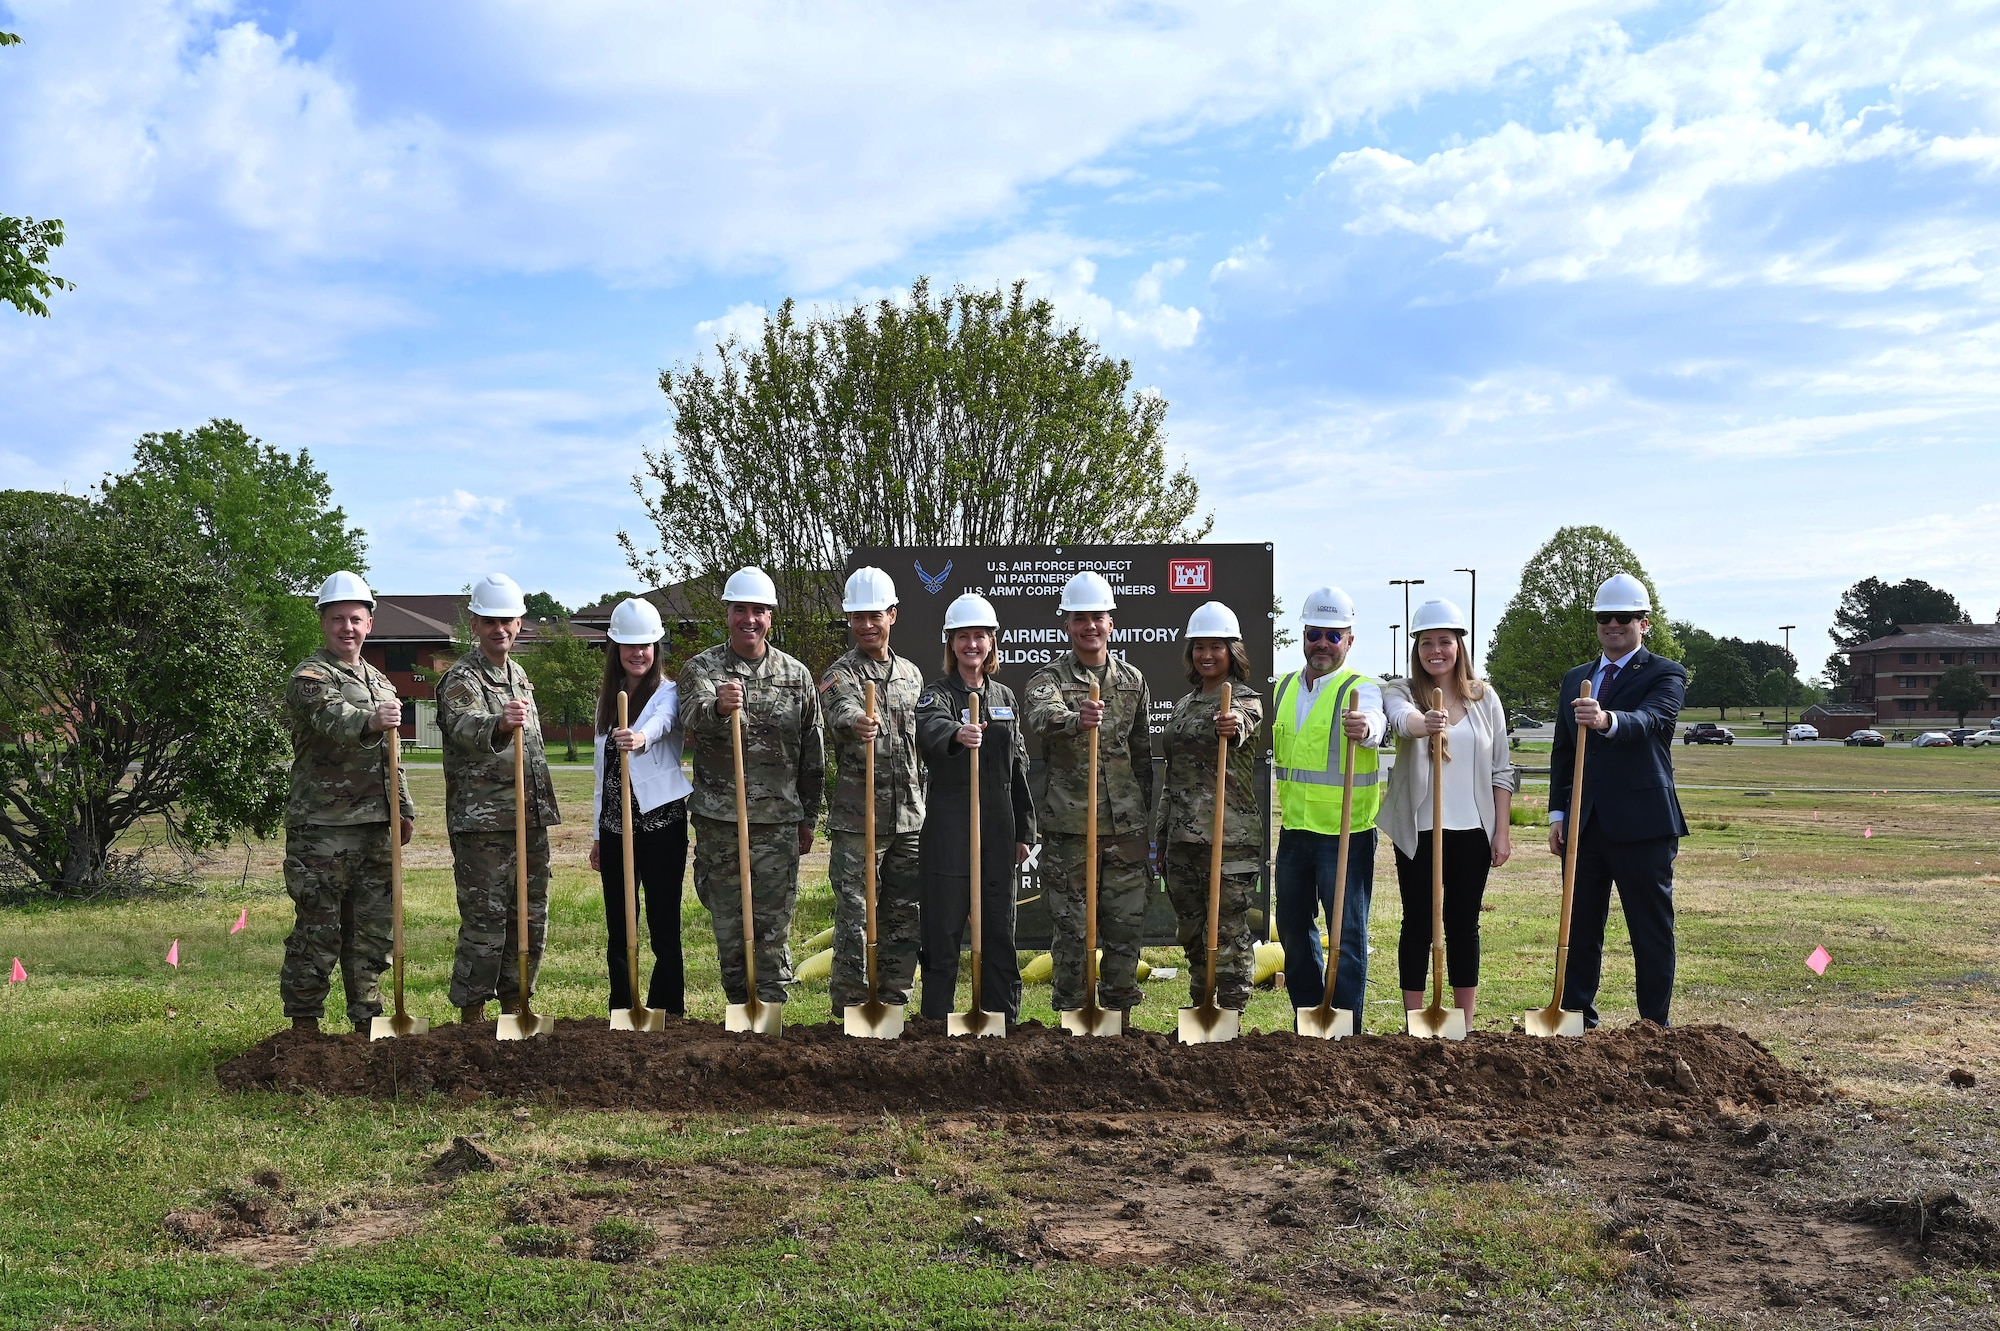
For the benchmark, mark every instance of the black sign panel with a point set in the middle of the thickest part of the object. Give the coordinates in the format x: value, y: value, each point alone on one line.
x: 1156, y: 586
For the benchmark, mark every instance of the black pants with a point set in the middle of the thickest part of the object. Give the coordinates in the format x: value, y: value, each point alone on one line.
x: 660, y: 861
x: 1643, y: 872
x: 947, y: 909
x: 1468, y: 856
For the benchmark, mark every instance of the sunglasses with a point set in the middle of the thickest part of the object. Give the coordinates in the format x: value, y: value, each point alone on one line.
x: 1611, y: 617
x: 1323, y: 635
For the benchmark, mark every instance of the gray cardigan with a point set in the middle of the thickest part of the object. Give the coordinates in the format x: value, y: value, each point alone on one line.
x: 1406, y: 807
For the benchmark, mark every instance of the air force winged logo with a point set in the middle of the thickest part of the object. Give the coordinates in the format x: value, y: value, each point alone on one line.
x: 933, y: 583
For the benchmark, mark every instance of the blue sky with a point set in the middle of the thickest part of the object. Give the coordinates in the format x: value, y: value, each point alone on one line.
x: 1422, y: 282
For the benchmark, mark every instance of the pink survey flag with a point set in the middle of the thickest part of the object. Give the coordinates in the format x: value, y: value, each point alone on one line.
x: 20, y: 975
x: 1819, y: 960
x: 174, y: 955
x: 1867, y: 832
x: 241, y: 920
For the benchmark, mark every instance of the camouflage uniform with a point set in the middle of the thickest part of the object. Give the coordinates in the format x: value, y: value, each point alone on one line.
x: 1185, y: 834
x: 784, y: 772
x: 337, y: 830
x: 479, y: 813
x: 1124, y: 822
x: 899, y: 822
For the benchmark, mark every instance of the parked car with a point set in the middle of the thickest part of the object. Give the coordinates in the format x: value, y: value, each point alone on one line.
x: 1803, y: 731
x: 1867, y: 739
x: 1523, y: 721
x: 1961, y: 734
x: 1707, y: 732
x: 1983, y: 739
x: 1931, y: 739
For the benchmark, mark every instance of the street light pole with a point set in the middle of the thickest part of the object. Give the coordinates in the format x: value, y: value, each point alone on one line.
x: 1392, y: 651
x: 1786, y: 629
x: 1472, y: 634
x: 1406, y: 584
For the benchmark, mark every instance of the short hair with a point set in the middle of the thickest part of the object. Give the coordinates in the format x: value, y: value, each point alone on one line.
x: 1239, y: 661
x: 986, y: 667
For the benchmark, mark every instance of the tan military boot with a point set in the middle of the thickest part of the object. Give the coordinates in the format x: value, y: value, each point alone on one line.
x: 310, y: 1025
x: 472, y: 1014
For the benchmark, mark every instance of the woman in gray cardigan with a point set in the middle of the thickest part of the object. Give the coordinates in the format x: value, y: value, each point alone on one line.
x: 1479, y: 786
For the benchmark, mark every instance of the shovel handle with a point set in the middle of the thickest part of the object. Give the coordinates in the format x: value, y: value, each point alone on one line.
x: 1215, y: 848
x: 1436, y: 743
x: 868, y: 835
x: 521, y: 863
x: 743, y: 860
x: 1339, y: 867
x: 1569, y: 854
x: 973, y: 902
x: 1090, y: 872
x: 395, y: 741
x: 626, y: 837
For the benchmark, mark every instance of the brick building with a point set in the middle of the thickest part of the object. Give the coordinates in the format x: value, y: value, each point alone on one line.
x: 1896, y: 673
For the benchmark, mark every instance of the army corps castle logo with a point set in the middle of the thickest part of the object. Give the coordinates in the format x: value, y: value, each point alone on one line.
x: 933, y: 583
x: 1188, y: 575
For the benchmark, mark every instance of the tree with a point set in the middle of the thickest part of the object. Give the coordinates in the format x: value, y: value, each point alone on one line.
x: 133, y: 685
x: 1548, y: 626
x: 1775, y: 688
x: 1872, y: 609
x: 613, y: 598
x: 1724, y: 681
x: 25, y: 280
x: 541, y: 605
x: 264, y: 516
x: 972, y: 419
x: 1762, y: 657
x: 1959, y: 690
x: 566, y: 672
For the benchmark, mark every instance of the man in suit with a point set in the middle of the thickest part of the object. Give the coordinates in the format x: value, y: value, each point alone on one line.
x: 1627, y: 817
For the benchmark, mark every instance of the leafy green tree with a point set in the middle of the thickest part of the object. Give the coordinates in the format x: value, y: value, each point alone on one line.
x: 266, y: 517
x: 25, y: 280
x: 1549, y: 627
x: 972, y: 419
x: 1724, y: 681
x: 1959, y: 690
x: 1775, y: 688
x: 613, y: 598
x: 541, y: 605
x: 566, y: 671
x: 134, y: 684
x: 1872, y: 609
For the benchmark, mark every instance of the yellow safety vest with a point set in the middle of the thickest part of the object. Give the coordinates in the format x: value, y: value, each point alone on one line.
x: 1306, y: 760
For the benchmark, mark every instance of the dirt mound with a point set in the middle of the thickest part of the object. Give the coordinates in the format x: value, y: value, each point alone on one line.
x: 694, y: 1066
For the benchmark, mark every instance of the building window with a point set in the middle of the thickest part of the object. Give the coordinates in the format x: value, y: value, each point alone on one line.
x: 1944, y: 658
x: 1907, y: 704
x: 400, y: 655
x: 1978, y: 658
x: 1909, y: 658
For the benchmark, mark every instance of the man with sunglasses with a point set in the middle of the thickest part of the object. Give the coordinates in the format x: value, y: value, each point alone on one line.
x: 1312, y: 710
x: 1628, y: 820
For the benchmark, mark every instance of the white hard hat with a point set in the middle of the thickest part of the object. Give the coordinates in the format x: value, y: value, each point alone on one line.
x: 1213, y: 619
x: 1438, y: 614
x: 753, y: 586
x: 344, y: 586
x: 1085, y: 592
x: 1328, y: 608
x: 868, y: 589
x: 636, y: 621
x: 1622, y: 591
x: 497, y: 596
x: 970, y: 611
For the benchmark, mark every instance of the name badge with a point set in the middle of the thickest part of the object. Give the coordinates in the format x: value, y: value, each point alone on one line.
x: 1000, y: 714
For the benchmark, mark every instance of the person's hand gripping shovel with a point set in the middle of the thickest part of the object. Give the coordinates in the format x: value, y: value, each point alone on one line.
x: 1437, y: 1022
x: 637, y: 1017
x: 1207, y: 1023
x: 874, y: 1019
x: 524, y: 1023
x: 1091, y: 1019
x: 753, y: 1015
x: 1325, y: 1021
x: 388, y: 1028
x: 975, y: 1020
x: 1555, y: 1019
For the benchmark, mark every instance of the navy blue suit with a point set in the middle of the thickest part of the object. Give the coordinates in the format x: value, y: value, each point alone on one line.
x: 1629, y: 824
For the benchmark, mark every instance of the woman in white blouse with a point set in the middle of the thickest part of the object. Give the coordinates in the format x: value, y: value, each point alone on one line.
x: 1479, y: 786
x: 659, y: 805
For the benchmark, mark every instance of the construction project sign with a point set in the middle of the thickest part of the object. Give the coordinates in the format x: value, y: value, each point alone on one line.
x: 1157, y: 587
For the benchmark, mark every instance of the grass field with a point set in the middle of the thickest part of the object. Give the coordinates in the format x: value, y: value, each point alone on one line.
x: 110, y: 1116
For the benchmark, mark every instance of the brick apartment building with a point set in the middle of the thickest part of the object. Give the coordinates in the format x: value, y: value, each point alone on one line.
x: 1895, y: 674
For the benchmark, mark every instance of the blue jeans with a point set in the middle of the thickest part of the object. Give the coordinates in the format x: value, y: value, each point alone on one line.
x: 1305, y: 885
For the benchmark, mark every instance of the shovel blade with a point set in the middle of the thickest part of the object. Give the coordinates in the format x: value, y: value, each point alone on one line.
x: 523, y: 1027
x: 873, y: 1021
x: 1092, y: 1021
x: 976, y: 1024
x: 1335, y: 1023
x: 1436, y: 1023
x: 757, y: 1018
x: 1553, y: 1021
x: 638, y: 1019
x: 388, y: 1028
x: 1210, y: 1025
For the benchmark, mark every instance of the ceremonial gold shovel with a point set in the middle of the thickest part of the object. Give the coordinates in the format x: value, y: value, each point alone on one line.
x: 976, y: 1020
x: 755, y: 1016
x: 1437, y: 1022
x: 637, y: 1017
x: 874, y: 1019
x: 526, y: 1023
x: 1555, y: 1019
x: 1091, y: 1019
x: 1207, y: 1023
x: 388, y: 1028
x: 1325, y: 1021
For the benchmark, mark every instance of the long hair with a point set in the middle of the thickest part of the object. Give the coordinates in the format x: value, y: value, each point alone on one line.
x: 1239, y: 661
x: 986, y: 667
x: 614, y: 680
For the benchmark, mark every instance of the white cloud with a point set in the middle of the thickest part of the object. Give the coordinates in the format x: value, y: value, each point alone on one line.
x: 741, y: 323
